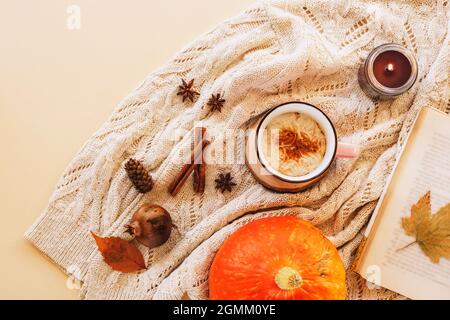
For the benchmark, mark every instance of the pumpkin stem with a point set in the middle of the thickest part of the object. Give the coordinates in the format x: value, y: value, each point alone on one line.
x: 288, y: 278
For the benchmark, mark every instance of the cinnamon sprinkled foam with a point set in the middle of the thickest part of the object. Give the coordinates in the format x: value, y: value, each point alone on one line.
x: 294, y: 144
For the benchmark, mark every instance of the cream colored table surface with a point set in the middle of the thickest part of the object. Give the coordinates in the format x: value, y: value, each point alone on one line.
x: 57, y: 86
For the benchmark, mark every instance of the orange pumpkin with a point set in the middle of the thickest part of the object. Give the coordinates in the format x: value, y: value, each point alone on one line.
x: 280, y: 258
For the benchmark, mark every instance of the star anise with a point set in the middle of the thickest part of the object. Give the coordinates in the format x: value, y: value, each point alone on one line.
x: 186, y: 89
x: 224, y: 182
x: 216, y: 102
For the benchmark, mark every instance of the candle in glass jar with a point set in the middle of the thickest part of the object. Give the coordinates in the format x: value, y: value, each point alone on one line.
x: 392, y: 69
x: 388, y: 71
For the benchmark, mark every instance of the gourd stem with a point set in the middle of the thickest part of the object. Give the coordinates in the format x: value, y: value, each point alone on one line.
x: 288, y: 278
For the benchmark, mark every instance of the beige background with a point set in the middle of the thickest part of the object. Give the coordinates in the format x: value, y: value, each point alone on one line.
x: 57, y: 86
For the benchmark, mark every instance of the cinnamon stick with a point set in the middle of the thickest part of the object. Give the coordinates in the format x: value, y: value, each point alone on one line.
x: 200, y: 167
x: 199, y: 133
x: 200, y: 178
x: 187, y: 169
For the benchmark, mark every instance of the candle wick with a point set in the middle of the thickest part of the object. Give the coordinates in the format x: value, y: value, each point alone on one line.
x: 390, y: 67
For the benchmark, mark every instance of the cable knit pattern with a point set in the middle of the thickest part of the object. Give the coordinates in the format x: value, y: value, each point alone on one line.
x: 274, y: 52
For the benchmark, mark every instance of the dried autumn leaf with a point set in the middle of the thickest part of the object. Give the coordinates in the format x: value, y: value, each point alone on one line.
x: 120, y: 254
x: 432, y: 231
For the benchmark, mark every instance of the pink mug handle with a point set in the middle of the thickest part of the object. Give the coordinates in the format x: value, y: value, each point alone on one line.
x: 346, y: 150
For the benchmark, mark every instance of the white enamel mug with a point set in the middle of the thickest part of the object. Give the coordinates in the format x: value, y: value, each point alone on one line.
x: 334, y: 149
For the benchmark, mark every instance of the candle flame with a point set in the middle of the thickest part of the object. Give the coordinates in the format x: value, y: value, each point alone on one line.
x: 390, y: 67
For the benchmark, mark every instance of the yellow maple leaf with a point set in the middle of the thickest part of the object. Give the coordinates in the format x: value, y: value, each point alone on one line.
x: 432, y: 231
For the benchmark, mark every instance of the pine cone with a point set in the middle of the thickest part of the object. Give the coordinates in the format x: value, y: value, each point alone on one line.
x: 142, y: 181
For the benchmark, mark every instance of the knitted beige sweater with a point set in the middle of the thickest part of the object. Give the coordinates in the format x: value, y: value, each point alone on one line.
x: 274, y: 52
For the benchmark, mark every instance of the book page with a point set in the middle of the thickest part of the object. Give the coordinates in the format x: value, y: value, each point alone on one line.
x: 423, y: 166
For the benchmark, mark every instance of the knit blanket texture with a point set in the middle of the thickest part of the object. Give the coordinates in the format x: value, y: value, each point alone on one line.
x: 274, y: 52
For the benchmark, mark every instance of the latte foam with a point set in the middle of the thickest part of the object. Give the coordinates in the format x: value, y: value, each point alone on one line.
x: 294, y: 144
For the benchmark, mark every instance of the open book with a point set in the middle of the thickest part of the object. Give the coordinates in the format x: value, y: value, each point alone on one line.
x: 424, y: 165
